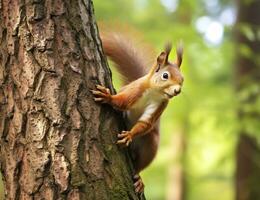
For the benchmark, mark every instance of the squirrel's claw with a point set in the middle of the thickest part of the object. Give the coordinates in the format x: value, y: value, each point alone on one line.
x: 98, y: 99
x: 138, y: 184
x: 98, y: 93
x: 124, y: 138
x: 102, y: 94
x: 103, y: 89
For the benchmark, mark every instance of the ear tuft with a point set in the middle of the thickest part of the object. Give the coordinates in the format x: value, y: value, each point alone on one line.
x: 168, y: 48
x: 179, y: 53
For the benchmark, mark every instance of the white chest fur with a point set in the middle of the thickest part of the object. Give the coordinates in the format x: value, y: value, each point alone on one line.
x: 144, y: 108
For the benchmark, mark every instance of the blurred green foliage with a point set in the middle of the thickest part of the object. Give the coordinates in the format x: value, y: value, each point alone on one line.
x: 205, y: 112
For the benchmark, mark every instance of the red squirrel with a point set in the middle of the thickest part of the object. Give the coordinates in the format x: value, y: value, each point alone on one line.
x: 143, y: 98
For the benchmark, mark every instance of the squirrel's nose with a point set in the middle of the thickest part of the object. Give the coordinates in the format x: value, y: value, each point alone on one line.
x: 177, y: 91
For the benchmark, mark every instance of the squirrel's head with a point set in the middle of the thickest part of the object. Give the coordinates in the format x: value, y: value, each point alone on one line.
x: 165, y: 75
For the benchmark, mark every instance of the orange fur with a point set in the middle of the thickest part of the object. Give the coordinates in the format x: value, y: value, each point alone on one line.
x: 128, y: 95
x: 143, y: 99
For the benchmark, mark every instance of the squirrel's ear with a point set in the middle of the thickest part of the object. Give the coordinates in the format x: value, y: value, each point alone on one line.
x: 160, y: 63
x: 161, y: 58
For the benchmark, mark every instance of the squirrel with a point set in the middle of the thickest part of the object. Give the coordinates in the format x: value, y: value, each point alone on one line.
x: 143, y: 98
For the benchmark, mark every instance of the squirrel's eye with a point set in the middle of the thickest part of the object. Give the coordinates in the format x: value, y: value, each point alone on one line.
x: 165, y: 75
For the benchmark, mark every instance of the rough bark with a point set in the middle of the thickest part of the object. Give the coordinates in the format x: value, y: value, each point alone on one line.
x: 247, y: 74
x: 56, y: 142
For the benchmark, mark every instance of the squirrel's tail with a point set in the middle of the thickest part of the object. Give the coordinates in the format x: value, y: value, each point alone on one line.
x: 130, y: 62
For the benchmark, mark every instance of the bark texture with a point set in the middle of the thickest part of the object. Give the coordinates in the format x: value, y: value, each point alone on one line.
x: 248, y: 75
x: 56, y: 142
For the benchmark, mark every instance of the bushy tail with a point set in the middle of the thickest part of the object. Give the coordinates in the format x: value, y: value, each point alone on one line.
x: 130, y: 62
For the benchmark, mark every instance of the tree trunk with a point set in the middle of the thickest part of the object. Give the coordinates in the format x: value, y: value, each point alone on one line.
x: 248, y: 169
x: 177, y: 177
x: 56, y: 142
x: 247, y: 85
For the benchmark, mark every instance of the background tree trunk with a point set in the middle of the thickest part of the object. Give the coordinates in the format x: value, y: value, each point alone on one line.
x: 56, y: 142
x: 177, y: 177
x: 248, y: 76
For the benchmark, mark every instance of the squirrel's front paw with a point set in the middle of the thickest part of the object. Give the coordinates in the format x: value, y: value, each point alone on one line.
x: 124, y: 138
x: 102, y: 94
